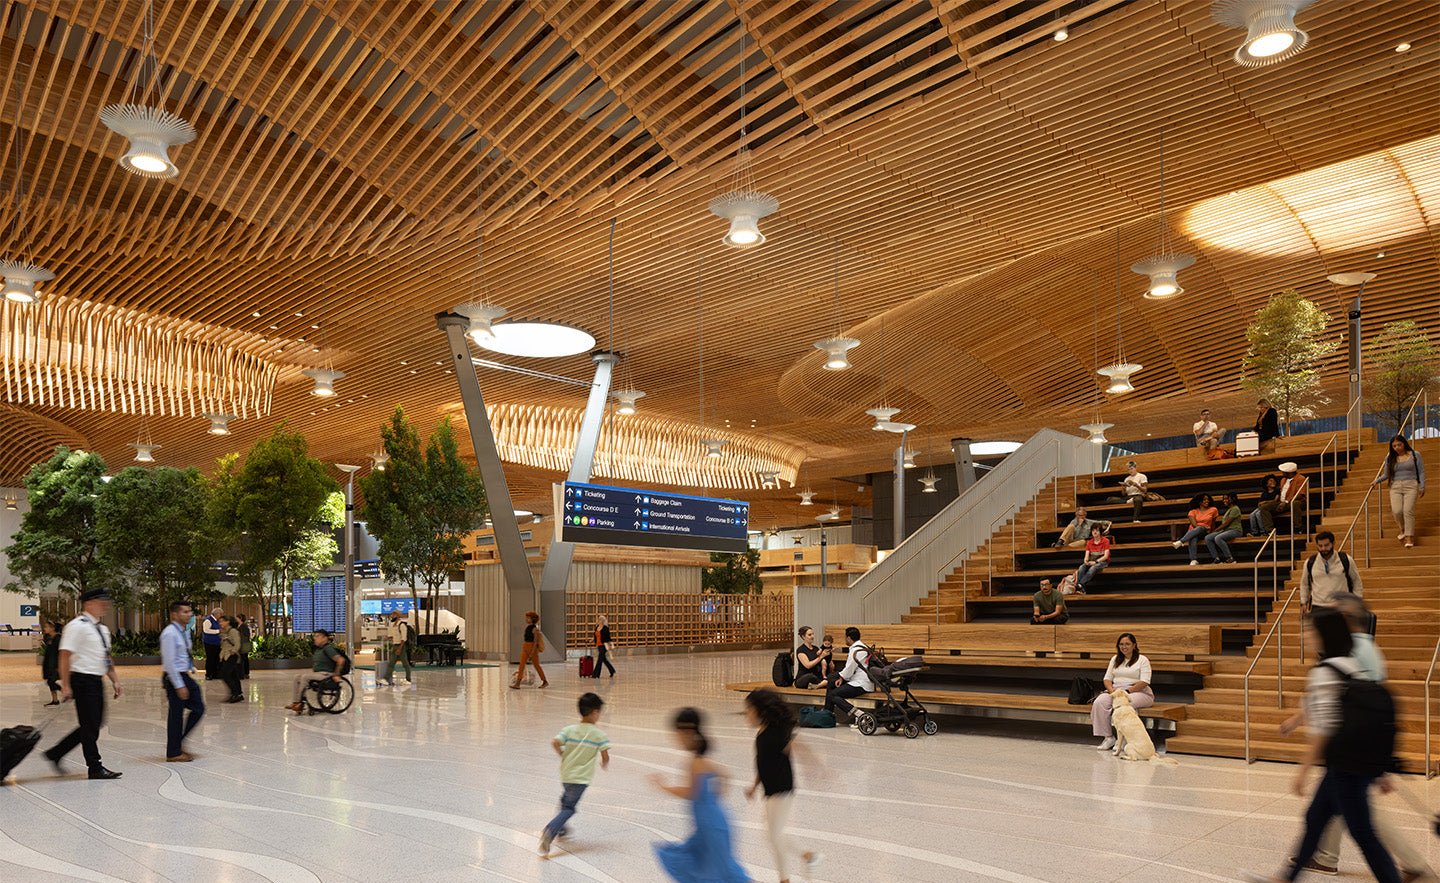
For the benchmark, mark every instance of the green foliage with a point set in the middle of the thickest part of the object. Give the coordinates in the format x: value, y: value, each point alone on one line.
x: 56, y: 546
x: 281, y: 647
x: 150, y: 526
x: 1404, y: 360
x: 422, y: 506
x: 732, y: 573
x: 274, y: 514
x: 1287, y: 350
x: 136, y: 644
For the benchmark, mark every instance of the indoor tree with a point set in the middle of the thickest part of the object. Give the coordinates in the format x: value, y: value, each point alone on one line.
x: 422, y: 507
x: 151, y: 528
x: 1404, y: 360
x: 733, y: 573
x: 271, y: 512
x: 1287, y: 349
x: 56, y: 545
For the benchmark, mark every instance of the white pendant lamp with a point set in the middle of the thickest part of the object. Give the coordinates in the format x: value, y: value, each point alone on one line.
x: 807, y: 498
x: 144, y: 452
x: 1163, y: 268
x: 837, y: 351
x: 627, y: 399
x: 152, y: 131
x: 909, y: 460
x: 324, y: 380
x: 882, y: 416
x: 745, y: 204
x: 22, y: 281
x: 1120, y: 371
x: 770, y: 480
x: 832, y: 515
x: 482, y: 317
x: 219, y: 423
x: 1097, y: 431
x: 1271, y: 35
x: 929, y: 480
x: 380, y: 458
x: 713, y: 447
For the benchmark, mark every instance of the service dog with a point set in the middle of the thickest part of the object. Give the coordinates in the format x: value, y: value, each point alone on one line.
x: 1132, y: 742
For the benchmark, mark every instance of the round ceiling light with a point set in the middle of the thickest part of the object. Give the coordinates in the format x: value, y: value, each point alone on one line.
x: 837, y: 351
x: 482, y: 318
x: 219, y: 423
x: 992, y: 448
x: 537, y: 340
x: 744, y: 209
x: 1270, y: 32
x: 1163, y: 270
x: 627, y: 399
x: 324, y: 380
x: 152, y: 132
x: 22, y: 279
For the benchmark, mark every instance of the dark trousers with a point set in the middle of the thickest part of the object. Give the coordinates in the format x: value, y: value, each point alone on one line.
x: 230, y: 674
x: 212, y: 661
x: 244, y: 666
x: 1347, y: 795
x: 89, y: 693
x: 835, y: 697
x: 807, y: 679
x: 601, y: 659
x: 176, y: 726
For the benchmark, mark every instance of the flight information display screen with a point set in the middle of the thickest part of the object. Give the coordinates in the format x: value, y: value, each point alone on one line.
x: 593, y: 513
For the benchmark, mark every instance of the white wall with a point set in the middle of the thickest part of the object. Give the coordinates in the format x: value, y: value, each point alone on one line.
x: 9, y: 524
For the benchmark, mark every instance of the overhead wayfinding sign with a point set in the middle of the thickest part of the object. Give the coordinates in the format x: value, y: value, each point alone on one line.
x: 623, y: 516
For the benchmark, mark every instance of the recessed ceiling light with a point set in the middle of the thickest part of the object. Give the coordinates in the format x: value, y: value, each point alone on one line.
x: 1403, y: 47
x: 316, y: 327
x: 274, y: 327
x: 403, y: 362
x: 413, y: 371
x: 299, y: 340
x: 256, y: 314
x: 299, y: 314
x: 538, y: 340
x: 1380, y: 254
x: 264, y: 340
x: 1062, y: 35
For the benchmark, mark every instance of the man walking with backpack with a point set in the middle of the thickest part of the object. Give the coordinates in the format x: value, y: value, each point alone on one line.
x: 402, y: 635
x: 1328, y: 574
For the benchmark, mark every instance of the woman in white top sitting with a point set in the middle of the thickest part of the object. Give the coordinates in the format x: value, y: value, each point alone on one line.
x: 1128, y: 671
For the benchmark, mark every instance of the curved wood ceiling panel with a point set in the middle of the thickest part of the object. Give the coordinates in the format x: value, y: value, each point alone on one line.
x: 966, y: 171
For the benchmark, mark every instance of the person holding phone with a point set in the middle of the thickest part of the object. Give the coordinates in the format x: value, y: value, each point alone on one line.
x: 810, y: 661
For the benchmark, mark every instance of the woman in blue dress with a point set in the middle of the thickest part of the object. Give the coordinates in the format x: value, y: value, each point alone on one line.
x: 706, y: 857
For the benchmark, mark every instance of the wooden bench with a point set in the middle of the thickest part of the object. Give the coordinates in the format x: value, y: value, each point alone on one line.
x: 1157, y: 641
x: 1161, y: 717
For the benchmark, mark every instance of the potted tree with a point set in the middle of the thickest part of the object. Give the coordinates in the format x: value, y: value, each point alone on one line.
x: 1287, y: 351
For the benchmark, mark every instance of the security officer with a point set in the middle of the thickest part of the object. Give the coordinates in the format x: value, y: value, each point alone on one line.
x: 84, y: 664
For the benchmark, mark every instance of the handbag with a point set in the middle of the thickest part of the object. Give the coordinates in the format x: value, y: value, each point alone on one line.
x: 539, y: 641
x: 1083, y: 691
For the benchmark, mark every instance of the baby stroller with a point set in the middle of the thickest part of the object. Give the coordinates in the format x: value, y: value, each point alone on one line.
x: 905, y: 713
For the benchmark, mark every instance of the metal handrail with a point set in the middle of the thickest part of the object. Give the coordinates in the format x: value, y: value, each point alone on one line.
x: 1274, y: 544
x: 1429, y: 675
x: 1279, y: 667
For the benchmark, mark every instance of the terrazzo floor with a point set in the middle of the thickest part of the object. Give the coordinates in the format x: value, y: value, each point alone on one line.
x: 451, y: 778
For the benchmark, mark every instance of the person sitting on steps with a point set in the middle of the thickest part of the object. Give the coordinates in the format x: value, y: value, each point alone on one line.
x: 853, y: 680
x: 1077, y: 532
x: 1049, y: 606
x: 1269, y: 490
x: 1134, y: 488
x: 1207, y: 432
x: 1202, y: 519
x: 1293, y: 486
x: 1097, y: 558
x: 1225, y: 531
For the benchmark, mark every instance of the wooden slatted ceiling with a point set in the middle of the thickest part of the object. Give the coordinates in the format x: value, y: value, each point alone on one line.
x: 964, y: 167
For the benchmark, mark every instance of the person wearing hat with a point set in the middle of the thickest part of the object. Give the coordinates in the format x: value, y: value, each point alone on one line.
x: 1292, y: 486
x: 84, y: 664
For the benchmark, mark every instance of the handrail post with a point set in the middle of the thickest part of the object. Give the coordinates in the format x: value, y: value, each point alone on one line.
x: 1429, y: 676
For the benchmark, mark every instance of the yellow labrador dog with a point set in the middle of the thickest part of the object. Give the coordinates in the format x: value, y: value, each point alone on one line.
x: 1132, y: 742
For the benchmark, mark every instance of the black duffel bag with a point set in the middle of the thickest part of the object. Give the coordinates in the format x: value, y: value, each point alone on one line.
x: 1083, y: 691
x: 783, y: 671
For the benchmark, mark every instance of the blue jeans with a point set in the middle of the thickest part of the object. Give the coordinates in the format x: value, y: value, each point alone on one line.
x: 177, y: 727
x: 1193, y: 536
x: 1217, y: 543
x: 1088, y: 572
x: 569, y: 799
x: 1347, y: 795
x: 1255, y: 523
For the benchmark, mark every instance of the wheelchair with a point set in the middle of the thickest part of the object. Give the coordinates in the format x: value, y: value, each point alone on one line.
x: 327, y: 694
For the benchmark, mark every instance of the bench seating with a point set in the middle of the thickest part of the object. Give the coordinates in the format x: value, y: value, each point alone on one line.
x: 1159, y: 641
x: 1161, y: 716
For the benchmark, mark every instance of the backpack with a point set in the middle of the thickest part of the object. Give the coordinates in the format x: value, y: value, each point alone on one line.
x: 783, y: 671
x: 1083, y: 691
x: 1344, y: 568
x: 817, y: 717
x: 1365, y: 741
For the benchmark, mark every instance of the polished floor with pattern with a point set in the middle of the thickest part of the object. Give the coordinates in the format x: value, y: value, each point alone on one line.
x: 452, y: 778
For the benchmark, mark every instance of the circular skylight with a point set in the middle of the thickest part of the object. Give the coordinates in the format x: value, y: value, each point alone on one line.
x: 991, y: 448
x: 537, y: 340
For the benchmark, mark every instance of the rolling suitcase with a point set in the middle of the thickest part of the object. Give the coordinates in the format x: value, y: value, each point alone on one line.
x: 16, y: 743
x: 1247, y: 444
x: 587, y: 666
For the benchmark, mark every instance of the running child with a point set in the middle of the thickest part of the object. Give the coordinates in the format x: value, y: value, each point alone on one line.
x: 578, y: 746
x: 774, y: 773
x: 706, y: 857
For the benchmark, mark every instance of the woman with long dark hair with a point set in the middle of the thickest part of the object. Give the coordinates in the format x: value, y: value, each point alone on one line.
x: 1202, y: 519
x: 50, y: 659
x: 1345, y: 789
x: 1406, y: 473
x: 1226, y: 529
x: 809, y: 661
x: 1128, y: 671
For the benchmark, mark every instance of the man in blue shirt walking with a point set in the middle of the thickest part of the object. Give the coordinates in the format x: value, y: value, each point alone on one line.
x: 180, y: 688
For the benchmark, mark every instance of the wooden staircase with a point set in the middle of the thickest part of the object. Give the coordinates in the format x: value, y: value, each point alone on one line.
x: 945, y: 602
x: 1402, y: 586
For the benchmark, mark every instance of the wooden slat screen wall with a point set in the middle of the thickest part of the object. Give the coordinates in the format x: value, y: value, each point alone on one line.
x: 675, y: 620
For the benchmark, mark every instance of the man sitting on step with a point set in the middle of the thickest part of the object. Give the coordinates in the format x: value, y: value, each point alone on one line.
x: 1077, y: 532
x: 1049, y: 606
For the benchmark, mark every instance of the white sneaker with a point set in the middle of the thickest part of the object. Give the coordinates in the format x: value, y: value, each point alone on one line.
x: 812, y: 863
x: 1108, y: 744
x: 1177, y: 544
x: 1194, y: 563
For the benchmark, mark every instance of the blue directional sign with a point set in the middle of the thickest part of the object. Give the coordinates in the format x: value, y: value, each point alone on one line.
x: 592, y: 513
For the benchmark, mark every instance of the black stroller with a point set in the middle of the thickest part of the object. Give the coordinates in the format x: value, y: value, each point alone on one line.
x: 905, y: 713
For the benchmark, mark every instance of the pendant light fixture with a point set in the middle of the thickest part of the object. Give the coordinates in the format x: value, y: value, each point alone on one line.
x: 929, y: 480
x: 11, y: 502
x: 807, y: 497
x: 885, y: 415
x: 1270, y: 32
x: 712, y: 446
x: 144, y: 448
x: 744, y: 205
x: 629, y: 395
x: 481, y: 312
x: 324, y: 380
x: 151, y: 129
x: 219, y: 423
x: 837, y: 347
x: 380, y: 458
x: 1096, y: 428
x: 1164, y: 267
x: 22, y: 275
x: 627, y: 399
x: 1121, y: 370
x: 909, y: 459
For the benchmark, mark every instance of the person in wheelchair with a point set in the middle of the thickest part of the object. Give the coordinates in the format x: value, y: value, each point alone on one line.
x: 328, y: 660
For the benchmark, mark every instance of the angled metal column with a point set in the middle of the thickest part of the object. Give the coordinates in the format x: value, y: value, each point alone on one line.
x: 513, y: 563
x: 557, y: 562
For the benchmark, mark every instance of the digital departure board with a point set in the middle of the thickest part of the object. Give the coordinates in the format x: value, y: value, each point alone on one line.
x: 592, y: 513
x: 319, y: 604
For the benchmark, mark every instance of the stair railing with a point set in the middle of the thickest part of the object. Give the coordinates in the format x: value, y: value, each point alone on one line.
x: 1429, y: 676
x: 1273, y: 544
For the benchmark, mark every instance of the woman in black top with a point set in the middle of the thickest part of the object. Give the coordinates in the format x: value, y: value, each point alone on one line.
x: 810, y: 661
x: 774, y: 772
x: 1269, y: 491
x: 50, y: 660
x: 530, y: 651
x: 1267, y: 425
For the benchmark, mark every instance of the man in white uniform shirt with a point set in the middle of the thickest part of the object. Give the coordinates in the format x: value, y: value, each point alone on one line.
x: 84, y: 665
